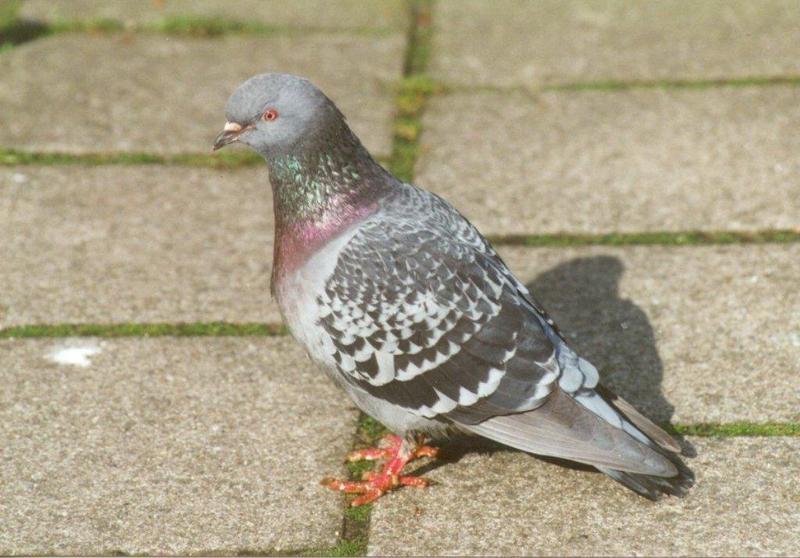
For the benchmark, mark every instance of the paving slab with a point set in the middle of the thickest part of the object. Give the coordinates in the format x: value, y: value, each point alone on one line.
x: 316, y: 14
x: 135, y: 244
x: 172, y: 446
x: 687, y: 333
x: 126, y: 92
x: 517, y: 43
x: 629, y: 161
x: 745, y: 503
x: 691, y: 334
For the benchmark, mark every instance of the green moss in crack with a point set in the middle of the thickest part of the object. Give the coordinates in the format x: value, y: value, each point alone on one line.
x: 735, y: 429
x: 223, y: 160
x: 678, y: 238
x: 613, y: 85
x: 196, y: 329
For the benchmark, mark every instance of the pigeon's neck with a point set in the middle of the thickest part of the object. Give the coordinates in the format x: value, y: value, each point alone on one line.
x: 321, y: 189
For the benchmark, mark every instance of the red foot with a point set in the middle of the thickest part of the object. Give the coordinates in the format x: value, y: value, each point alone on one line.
x: 374, y: 484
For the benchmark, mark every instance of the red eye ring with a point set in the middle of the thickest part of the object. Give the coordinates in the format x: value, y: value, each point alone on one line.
x: 270, y: 115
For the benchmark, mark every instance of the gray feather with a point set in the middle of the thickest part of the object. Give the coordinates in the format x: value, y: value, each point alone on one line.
x: 563, y: 428
x: 640, y: 421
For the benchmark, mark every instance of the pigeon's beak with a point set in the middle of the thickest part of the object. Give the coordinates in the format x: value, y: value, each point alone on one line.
x: 230, y: 133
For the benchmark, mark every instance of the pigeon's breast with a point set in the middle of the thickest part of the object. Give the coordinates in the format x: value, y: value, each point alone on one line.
x: 297, y: 242
x: 297, y: 293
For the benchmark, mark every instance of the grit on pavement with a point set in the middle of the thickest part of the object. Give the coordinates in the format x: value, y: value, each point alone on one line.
x: 633, y: 162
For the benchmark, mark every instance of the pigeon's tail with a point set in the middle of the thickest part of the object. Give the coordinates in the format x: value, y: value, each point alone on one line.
x: 649, y: 486
x: 599, y: 429
x: 652, y: 486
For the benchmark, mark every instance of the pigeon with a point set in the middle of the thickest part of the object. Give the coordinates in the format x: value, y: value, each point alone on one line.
x: 409, y: 309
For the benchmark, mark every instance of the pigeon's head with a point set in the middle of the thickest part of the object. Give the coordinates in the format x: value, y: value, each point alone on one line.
x: 273, y: 111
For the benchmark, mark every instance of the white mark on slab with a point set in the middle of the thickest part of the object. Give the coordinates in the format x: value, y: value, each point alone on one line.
x: 75, y: 354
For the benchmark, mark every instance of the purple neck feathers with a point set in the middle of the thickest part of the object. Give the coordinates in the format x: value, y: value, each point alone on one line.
x: 320, y: 189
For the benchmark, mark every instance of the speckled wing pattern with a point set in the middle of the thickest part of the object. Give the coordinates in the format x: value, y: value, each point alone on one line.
x: 422, y: 313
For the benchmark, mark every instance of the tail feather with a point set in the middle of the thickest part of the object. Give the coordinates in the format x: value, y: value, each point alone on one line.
x: 599, y: 429
x: 564, y: 428
x: 653, y: 487
x: 649, y: 486
x: 641, y: 422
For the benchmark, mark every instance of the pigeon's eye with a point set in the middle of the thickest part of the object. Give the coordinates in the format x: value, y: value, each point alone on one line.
x: 270, y: 115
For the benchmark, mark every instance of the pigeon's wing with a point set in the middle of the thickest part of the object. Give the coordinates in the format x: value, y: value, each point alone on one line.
x: 421, y: 312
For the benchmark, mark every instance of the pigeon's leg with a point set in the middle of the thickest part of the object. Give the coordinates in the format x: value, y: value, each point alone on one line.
x: 391, y: 444
x: 397, y: 452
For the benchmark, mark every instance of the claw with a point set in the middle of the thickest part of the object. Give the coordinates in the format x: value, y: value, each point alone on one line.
x: 367, y: 498
x: 419, y: 482
x: 368, y: 454
x: 426, y: 451
x: 374, y: 484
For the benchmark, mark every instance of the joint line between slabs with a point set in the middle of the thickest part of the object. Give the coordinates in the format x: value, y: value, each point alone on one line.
x: 119, y: 330
x: 444, y: 88
x: 655, y: 238
x: 222, y: 160
x: 15, y: 31
x: 409, y: 105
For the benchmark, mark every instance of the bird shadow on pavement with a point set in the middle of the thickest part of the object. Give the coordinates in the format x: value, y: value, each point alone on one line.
x: 613, y: 333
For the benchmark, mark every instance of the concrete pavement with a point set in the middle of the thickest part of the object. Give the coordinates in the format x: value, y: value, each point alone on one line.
x: 614, y: 117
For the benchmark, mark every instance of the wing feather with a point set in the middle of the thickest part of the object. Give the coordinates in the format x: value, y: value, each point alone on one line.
x: 422, y: 313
